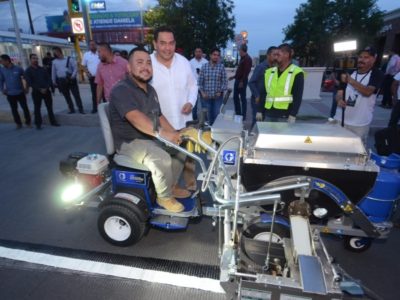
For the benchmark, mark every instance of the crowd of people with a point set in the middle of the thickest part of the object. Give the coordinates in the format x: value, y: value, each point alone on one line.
x: 165, y: 86
x: 102, y: 66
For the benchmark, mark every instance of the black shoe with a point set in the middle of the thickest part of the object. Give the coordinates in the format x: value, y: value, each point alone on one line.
x: 38, y: 127
x: 71, y: 112
x: 82, y: 112
x: 55, y: 124
x: 19, y: 126
x: 94, y: 111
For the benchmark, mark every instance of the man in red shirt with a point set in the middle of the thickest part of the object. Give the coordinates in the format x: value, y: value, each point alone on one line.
x: 241, y: 77
x: 112, y: 68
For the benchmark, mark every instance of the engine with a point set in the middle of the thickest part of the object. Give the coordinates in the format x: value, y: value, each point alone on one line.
x: 90, y: 170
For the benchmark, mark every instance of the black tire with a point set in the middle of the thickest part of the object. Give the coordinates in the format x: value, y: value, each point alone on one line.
x: 250, y: 258
x: 258, y: 230
x: 120, y: 225
x: 357, y: 244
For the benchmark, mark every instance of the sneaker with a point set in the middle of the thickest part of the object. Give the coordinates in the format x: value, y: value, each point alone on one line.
x: 55, y: 124
x: 19, y: 126
x: 38, y: 127
x: 170, y: 204
x: 94, y: 111
x: 178, y: 192
x: 71, y: 112
x: 29, y: 125
x: 332, y: 121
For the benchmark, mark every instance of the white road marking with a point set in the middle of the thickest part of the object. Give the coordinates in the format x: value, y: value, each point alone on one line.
x: 180, y: 280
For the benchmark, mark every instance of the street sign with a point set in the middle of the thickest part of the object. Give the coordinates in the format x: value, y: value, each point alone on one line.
x: 78, y: 26
x: 97, y: 5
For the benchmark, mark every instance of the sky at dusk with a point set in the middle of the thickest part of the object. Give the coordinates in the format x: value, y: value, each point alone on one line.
x: 263, y: 20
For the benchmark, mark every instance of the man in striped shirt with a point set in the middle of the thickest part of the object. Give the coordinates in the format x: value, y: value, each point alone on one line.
x: 212, y: 84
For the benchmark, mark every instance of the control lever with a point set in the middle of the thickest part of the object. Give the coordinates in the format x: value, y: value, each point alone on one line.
x: 225, y: 100
x: 202, y: 118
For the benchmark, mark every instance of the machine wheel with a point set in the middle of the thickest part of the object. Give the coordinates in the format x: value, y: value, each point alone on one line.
x: 253, y: 243
x: 120, y: 225
x: 261, y: 231
x: 357, y: 244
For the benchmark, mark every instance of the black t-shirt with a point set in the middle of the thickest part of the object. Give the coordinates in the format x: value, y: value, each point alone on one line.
x: 126, y: 96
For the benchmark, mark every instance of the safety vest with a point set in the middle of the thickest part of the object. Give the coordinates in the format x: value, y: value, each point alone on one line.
x: 279, y: 90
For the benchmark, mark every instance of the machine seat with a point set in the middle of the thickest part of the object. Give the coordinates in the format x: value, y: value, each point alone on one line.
x: 119, y: 159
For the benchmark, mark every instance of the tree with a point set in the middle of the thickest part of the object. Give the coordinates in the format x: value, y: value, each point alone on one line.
x: 196, y: 23
x: 319, y: 23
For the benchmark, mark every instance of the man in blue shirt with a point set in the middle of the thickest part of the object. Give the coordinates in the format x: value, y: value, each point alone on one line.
x: 39, y: 80
x: 212, y: 84
x: 257, y: 84
x: 11, y: 85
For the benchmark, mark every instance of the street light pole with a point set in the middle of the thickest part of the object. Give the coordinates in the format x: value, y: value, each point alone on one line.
x: 17, y: 35
x: 86, y: 21
x: 141, y: 22
x: 29, y: 16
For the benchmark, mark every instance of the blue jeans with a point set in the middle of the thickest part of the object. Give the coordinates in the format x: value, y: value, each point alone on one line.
x: 240, y: 104
x: 213, y: 106
x: 254, y: 109
x: 334, y: 105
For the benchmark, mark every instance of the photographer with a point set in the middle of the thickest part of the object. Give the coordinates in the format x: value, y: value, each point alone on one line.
x: 360, y: 88
x: 64, y: 72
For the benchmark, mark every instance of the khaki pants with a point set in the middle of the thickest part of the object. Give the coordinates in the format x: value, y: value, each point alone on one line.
x: 164, y: 163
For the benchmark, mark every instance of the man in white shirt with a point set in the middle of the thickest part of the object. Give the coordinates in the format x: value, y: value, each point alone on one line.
x: 361, y: 89
x: 196, y: 63
x: 90, y: 62
x: 173, y: 79
x: 395, y: 115
x: 392, y: 68
x: 176, y: 87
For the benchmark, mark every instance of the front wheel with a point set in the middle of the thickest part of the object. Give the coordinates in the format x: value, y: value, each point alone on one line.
x: 357, y: 244
x: 119, y: 225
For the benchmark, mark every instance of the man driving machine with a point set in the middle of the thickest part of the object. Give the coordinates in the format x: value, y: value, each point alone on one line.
x: 133, y: 107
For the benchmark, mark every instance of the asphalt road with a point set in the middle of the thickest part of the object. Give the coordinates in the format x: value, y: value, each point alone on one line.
x: 30, y: 211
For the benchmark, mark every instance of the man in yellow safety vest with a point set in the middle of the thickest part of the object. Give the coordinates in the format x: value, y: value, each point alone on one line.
x: 284, y: 85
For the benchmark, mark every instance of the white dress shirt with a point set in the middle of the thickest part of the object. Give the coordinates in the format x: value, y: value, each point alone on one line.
x: 197, y: 64
x: 91, y: 61
x: 175, y: 87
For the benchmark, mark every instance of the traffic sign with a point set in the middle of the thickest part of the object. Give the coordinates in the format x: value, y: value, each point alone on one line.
x: 78, y: 26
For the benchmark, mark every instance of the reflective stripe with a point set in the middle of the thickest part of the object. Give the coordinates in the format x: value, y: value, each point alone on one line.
x: 270, y: 78
x: 288, y: 99
x: 287, y: 83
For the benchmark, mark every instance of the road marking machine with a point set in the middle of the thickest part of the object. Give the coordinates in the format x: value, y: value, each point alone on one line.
x: 273, y: 190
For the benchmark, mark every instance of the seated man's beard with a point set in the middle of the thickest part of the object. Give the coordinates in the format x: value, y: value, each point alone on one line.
x: 141, y: 79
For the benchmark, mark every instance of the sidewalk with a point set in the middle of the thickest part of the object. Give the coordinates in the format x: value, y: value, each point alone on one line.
x: 314, y: 111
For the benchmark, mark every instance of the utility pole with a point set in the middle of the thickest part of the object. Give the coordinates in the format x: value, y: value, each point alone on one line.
x: 17, y: 35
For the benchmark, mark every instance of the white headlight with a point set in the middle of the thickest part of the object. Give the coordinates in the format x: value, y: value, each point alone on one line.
x: 72, y: 192
x: 320, y: 212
